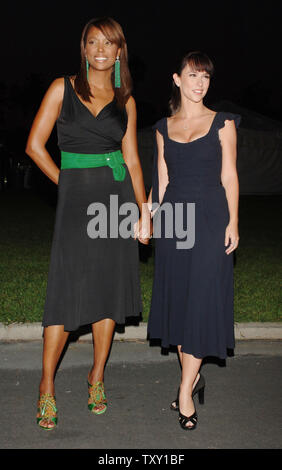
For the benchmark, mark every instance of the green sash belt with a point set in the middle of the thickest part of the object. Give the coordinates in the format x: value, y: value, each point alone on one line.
x: 85, y: 160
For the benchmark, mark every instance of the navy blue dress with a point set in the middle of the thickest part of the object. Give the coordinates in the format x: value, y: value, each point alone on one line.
x: 192, y: 298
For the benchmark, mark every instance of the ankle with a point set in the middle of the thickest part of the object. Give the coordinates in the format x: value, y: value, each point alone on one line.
x: 186, y: 389
x: 47, y: 387
x: 96, y: 375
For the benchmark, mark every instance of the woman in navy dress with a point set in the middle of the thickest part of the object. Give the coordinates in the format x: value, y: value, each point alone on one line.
x: 92, y: 279
x: 195, y: 165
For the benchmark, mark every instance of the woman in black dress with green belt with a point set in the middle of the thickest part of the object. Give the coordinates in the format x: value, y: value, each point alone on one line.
x: 192, y: 300
x: 92, y: 279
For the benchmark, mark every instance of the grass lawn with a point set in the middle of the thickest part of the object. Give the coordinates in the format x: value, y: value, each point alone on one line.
x: 27, y: 222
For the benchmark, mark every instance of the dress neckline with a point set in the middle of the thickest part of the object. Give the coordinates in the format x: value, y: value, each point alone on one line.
x: 195, y: 140
x: 86, y: 107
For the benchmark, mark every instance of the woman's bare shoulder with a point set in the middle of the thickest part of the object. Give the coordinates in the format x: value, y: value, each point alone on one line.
x: 130, y: 104
x: 57, y: 87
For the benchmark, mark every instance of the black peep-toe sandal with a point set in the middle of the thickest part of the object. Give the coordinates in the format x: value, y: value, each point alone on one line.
x: 183, y: 420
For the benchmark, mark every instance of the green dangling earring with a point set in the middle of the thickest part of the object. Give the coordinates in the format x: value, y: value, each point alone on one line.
x: 87, y: 68
x: 117, y: 73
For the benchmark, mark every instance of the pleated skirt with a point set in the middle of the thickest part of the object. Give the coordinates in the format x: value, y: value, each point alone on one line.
x: 192, y: 298
x: 91, y: 278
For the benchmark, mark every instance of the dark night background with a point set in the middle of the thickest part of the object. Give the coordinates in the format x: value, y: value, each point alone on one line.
x: 40, y: 41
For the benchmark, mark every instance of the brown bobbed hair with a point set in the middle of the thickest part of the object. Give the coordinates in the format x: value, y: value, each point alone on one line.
x: 198, y: 61
x: 114, y: 33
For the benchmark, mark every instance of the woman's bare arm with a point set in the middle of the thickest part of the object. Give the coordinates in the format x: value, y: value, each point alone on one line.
x: 132, y: 160
x: 131, y: 155
x: 229, y: 179
x: 42, y: 127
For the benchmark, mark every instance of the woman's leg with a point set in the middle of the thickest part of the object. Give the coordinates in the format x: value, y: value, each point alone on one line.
x: 102, y: 338
x: 190, y: 369
x: 174, y: 404
x: 53, y: 344
x: 180, y: 353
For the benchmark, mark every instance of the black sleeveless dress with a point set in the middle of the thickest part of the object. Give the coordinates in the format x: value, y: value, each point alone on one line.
x: 192, y: 299
x: 90, y: 278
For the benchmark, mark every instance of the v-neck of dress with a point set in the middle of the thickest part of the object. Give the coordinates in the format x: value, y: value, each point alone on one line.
x: 86, y: 107
x: 195, y: 140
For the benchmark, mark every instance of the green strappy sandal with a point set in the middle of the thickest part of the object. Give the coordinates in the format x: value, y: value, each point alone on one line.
x: 47, y: 410
x: 97, y: 402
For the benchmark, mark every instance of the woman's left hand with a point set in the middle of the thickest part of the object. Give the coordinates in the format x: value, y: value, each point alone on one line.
x: 231, y: 237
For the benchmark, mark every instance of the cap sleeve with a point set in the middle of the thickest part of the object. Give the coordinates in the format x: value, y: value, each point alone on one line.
x: 160, y: 126
x: 228, y: 117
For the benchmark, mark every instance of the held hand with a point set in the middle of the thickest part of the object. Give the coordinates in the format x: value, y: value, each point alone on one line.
x: 143, y: 230
x: 232, y: 237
